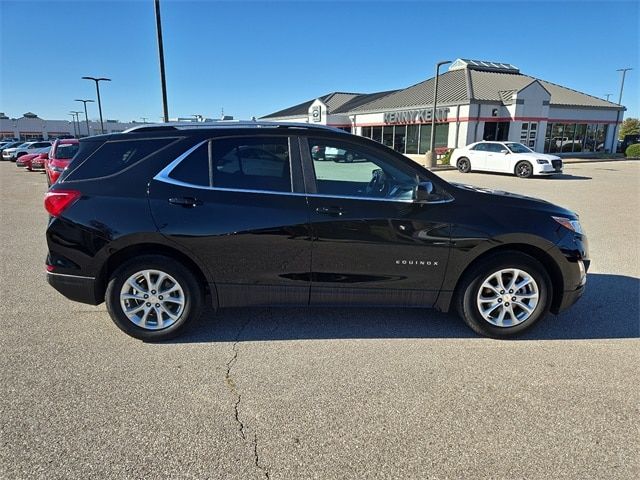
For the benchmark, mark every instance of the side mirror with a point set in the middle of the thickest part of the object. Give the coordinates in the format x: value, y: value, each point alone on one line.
x: 423, y: 191
x: 506, y: 152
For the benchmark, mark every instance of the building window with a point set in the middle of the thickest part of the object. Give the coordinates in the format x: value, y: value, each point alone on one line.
x: 400, y: 138
x: 412, y: 139
x: 366, y: 132
x: 441, y: 140
x: 387, y: 136
x: 376, y: 134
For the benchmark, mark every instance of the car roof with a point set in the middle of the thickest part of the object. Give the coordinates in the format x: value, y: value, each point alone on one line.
x: 227, y: 124
x: 62, y: 141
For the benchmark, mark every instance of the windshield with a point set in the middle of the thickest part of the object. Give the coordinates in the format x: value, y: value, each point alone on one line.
x: 66, y: 151
x: 24, y: 145
x: 518, y: 148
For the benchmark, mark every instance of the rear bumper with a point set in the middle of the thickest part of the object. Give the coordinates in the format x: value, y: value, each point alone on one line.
x: 74, y: 287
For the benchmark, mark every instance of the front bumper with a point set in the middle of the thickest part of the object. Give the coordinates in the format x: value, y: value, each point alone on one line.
x: 569, y: 298
x: 74, y: 287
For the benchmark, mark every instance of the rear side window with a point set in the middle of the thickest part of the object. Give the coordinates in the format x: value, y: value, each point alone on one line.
x: 238, y: 163
x: 114, y: 156
x: 194, y: 169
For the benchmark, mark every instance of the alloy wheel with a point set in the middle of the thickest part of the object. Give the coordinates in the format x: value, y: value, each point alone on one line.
x: 152, y: 299
x: 508, y: 297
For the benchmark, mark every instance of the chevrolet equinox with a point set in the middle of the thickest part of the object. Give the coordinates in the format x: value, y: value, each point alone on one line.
x: 158, y: 220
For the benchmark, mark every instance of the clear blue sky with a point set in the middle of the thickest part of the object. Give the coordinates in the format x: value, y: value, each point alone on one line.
x: 253, y: 58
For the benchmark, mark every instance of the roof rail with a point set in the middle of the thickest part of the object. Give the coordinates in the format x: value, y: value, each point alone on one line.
x: 157, y: 127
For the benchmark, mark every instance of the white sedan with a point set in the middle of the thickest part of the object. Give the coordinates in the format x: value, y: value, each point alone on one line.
x: 505, y: 157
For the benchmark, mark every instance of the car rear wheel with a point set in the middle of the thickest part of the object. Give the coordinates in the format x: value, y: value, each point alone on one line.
x: 464, y: 165
x: 504, y: 294
x: 153, y: 297
x: 524, y: 169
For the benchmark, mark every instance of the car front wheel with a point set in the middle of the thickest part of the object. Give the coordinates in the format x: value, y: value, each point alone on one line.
x: 153, y: 297
x: 524, y: 169
x: 504, y: 294
x: 464, y: 165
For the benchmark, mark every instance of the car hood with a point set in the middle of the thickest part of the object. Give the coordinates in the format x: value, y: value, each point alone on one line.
x: 536, y: 155
x: 509, y: 199
x: 10, y: 150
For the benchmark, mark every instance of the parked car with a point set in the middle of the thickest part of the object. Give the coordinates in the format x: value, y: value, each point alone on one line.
x: 61, y: 153
x: 157, y: 220
x: 333, y: 154
x: 8, y: 145
x: 505, y: 157
x: 39, y: 161
x: 27, y: 147
x: 26, y: 159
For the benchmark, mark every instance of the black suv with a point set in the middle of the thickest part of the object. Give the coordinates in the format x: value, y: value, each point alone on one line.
x: 157, y: 220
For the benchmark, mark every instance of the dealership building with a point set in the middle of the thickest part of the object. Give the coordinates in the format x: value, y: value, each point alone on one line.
x: 477, y: 100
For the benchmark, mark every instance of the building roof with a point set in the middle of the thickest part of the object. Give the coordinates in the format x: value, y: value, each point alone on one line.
x: 336, y: 102
x: 465, y: 81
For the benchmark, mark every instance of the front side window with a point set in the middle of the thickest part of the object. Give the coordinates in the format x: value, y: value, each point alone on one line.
x: 518, y: 148
x: 239, y: 164
x: 495, y: 147
x: 480, y: 147
x: 349, y: 170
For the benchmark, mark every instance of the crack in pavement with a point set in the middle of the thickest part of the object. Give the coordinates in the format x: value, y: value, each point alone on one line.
x: 231, y: 384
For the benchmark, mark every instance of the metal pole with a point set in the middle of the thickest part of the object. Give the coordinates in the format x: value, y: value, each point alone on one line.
x: 98, y: 80
x: 607, y: 95
x: 100, y: 108
x: 624, y: 73
x: 75, y: 133
x: 432, y: 144
x: 165, y: 109
x: 615, y: 129
x: 86, y: 116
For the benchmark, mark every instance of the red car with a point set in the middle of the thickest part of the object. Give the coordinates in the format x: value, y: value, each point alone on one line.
x: 39, y: 161
x: 60, y: 155
x: 25, y: 160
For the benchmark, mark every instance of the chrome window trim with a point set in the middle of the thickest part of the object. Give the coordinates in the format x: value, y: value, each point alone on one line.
x: 163, y: 176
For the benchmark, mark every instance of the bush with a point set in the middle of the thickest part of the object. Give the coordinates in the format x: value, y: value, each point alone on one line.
x: 632, y: 150
x: 446, y: 158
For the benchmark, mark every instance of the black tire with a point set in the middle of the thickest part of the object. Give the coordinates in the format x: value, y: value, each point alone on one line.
x: 349, y: 157
x: 464, y: 165
x: 468, y: 290
x: 524, y: 169
x: 193, y: 296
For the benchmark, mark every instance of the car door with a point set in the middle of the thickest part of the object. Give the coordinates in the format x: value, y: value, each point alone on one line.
x: 237, y: 205
x: 372, y: 243
x: 497, y: 157
x: 477, y: 156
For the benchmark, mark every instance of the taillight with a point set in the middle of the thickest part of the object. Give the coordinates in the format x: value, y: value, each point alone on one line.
x: 57, y: 201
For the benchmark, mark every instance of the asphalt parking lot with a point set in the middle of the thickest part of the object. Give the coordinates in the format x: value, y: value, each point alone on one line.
x: 327, y: 393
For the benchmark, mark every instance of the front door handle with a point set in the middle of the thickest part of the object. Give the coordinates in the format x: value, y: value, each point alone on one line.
x: 332, y: 211
x: 187, y: 202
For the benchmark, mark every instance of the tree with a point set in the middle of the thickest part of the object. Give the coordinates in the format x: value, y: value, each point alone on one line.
x: 630, y: 126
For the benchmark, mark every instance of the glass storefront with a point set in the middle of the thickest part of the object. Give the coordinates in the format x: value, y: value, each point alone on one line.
x: 411, y: 139
x: 575, y: 137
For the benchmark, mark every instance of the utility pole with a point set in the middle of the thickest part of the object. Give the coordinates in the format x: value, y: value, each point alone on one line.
x: 432, y: 158
x: 86, y: 117
x: 163, y: 82
x: 98, y: 80
x: 615, y: 129
x: 608, y: 95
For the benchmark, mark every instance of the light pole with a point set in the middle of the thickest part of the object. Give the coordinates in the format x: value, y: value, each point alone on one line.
x: 165, y: 109
x: 86, y: 117
x: 431, y: 157
x: 144, y: 119
x: 98, y: 80
x: 73, y: 116
x: 76, y: 114
x: 615, y: 130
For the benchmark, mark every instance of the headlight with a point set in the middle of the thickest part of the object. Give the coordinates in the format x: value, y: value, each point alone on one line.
x: 573, y: 225
x: 542, y: 162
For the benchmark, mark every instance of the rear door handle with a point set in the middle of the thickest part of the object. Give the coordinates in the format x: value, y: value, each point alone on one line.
x: 187, y: 202
x: 332, y: 211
